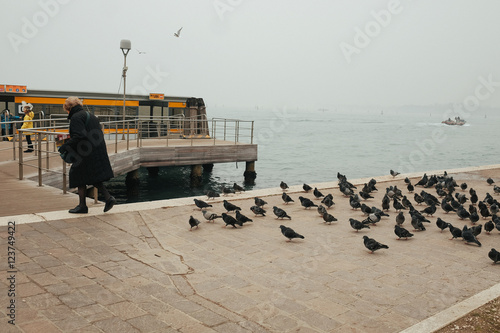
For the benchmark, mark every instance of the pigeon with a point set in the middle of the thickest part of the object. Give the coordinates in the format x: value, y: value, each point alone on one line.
x: 407, y: 180
x: 229, y: 220
x: 372, y: 245
x: 455, y: 232
x: 355, y: 204
x: 441, y: 224
x: 497, y: 223
x: 386, y: 202
x: 472, y: 209
x: 365, y: 209
x: 321, y: 210
x: 306, y: 187
x: 494, y: 209
x: 394, y: 173
x: 229, y: 206
x: 286, y: 198
x: 469, y: 237
x: 490, y: 181
x: 417, y: 224
x: 454, y: 203
x: 429, y: 210
x: 446, y: 207
x: 402, y: 232
x: 367, y: 188
x: 494, y: 255
x: 407, y: 203
x: 365, y: 195
x: 483, y: 210
x: 201, y: 204
x: 280, y: 213
x: 489, y: 199
x: 212, y: 194
x: 429, y: 199
x: 463, y: 213
x: 489, y: 226
x: 422, y: 181
x: 400, y: 218
x: 259, y: 202
x: 357, y: 225
x: 418, y: 198
x: 178, y: 33
x: 329, y: 218
x: 441, y: 192
x: 463, y: 186
x: 193, y: 223
x: 346, y: 191
x: 227, y: 190
x: 474, y: 218
x: 258, y: 210
x: 307, y: 203
x: 209, y: 216
x: 283, y: 186
x: 372, y: 218
x: 410, y: 188
x: 473, y: 197
x: 461, y: 198
x: 398, y: 206
x: 242, y: 218
x: 238, y: 188
x: 317, y: 193
x: 476, y: 229
x: 328, y: 201
x: 496, y: 189
x: 289, y: 233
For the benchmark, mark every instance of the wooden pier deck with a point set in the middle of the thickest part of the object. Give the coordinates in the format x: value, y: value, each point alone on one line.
x: 27, y: 197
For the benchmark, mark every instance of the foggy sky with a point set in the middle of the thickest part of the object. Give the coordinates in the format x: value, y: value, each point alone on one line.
x: 274, y: 53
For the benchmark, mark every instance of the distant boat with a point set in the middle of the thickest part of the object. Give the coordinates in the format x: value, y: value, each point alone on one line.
x: 458, y: 121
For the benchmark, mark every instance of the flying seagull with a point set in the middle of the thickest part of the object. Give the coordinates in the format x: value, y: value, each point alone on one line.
x: 141, y: 52
x: 178, y: 33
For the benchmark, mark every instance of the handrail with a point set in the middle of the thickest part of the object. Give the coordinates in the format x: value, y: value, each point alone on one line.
x: 136, y: 129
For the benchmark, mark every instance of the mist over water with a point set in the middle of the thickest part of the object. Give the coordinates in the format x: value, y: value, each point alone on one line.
x: 311, y: 146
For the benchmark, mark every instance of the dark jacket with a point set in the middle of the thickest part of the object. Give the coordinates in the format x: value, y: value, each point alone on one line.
x: 88, y: 149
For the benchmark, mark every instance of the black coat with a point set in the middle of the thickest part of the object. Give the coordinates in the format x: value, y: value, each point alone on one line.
x: 88, y: 149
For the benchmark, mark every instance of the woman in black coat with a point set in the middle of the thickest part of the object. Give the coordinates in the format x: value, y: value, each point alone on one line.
x: 87, y: 149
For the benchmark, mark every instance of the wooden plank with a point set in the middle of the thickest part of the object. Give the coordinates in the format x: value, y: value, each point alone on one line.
x: 157, y: 156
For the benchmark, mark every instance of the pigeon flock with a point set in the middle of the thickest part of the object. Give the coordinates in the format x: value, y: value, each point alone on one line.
x: 412, y: 211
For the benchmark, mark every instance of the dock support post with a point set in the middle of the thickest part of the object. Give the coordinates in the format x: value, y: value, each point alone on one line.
x: 208, y: 167
x: 153, y: 171
x: 132, y: 183
x: 250, y: 173
x: 196, y: 175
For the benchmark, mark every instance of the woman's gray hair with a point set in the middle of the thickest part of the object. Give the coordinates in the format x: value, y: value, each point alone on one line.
x: 72, y: 101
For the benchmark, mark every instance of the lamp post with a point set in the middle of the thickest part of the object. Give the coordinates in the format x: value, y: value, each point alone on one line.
x: 125, y: 46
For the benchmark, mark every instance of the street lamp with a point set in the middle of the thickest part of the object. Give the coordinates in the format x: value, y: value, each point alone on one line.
x: 125, y: 46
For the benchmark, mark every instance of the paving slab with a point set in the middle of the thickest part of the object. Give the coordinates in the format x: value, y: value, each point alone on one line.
x: 138, y: 268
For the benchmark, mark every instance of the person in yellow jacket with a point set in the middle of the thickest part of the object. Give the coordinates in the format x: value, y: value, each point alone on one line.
x: 28, y: 117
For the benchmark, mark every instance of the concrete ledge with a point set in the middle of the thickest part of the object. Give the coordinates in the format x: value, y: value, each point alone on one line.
x: 455, y: 312
x: 96, y: 209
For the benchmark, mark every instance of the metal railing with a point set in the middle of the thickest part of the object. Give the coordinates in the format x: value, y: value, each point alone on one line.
x: 137, y: 129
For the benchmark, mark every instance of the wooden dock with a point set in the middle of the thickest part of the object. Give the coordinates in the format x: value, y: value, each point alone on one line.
x: 26, y: 196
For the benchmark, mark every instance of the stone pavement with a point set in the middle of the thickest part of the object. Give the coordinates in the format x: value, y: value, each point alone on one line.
x: 139, y: 269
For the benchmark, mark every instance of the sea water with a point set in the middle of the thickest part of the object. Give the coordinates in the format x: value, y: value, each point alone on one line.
x: 310, y: 146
